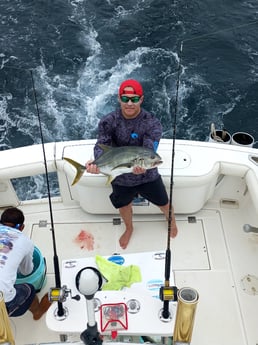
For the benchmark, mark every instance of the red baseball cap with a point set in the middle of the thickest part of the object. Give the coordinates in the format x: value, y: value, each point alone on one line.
x: 133, y: 84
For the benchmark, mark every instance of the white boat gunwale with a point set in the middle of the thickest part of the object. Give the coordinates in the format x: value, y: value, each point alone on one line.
x: 218, y: 186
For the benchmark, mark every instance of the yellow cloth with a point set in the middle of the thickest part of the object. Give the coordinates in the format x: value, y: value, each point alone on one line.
x: 118, y: 276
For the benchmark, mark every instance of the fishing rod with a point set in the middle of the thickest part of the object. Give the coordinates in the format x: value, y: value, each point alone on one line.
x: 60, y: 311
x: 169, y: 293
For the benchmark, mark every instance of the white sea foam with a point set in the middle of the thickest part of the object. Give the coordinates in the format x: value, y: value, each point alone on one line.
x: 80, y: 56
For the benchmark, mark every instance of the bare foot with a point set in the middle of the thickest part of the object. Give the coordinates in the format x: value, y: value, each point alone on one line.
x: 125, y: 238
x: 43, y: 307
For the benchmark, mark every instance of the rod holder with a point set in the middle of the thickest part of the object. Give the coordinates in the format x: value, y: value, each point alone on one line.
x: 250, y: 228
x: 185, y: 315
x: 6, y: 335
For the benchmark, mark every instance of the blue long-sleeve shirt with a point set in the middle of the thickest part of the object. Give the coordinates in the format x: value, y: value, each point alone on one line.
x: 143, y: 130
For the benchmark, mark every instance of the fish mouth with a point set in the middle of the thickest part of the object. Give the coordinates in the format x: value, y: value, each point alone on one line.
x: 157, y: 163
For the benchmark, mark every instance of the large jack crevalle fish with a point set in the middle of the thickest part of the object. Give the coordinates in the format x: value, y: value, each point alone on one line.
x: 115, y: 161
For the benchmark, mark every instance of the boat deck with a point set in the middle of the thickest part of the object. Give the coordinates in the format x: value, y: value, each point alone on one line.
x: 211, y: 254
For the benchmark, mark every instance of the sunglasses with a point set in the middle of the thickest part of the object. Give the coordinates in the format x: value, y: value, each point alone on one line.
x: 134, y: 99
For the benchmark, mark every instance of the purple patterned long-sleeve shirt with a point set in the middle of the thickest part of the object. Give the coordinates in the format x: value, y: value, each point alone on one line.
x: 144, y: 130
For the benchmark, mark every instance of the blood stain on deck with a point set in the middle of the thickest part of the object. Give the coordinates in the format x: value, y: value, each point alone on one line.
x: 85, y: 240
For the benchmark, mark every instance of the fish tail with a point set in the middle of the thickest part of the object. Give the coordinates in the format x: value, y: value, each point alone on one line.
x: 79, y: 169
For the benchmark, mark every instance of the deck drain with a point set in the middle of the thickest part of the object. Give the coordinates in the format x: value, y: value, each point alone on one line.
x: 116, y: 221
x: 42, y: 223
x: 191, y: 219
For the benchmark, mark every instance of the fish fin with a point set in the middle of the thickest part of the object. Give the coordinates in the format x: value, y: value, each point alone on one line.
x: 109, y: 180
x: 79, y: 169
x: 104, y: 147
x: 123, y: 165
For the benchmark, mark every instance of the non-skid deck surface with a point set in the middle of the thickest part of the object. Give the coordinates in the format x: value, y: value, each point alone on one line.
x: 206, y: 255
x: 102, y: 238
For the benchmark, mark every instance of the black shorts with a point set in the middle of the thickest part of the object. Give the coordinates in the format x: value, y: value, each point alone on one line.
x: 22, y: 301
x: 154, y: 191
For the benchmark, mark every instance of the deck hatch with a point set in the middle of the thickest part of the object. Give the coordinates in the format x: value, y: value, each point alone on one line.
x: 76, y: 240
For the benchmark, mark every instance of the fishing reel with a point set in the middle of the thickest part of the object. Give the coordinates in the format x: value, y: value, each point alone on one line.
x: 60, y: 294
x: 168, y: 293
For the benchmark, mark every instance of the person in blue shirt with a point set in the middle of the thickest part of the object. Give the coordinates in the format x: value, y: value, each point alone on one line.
x: 131, y: 125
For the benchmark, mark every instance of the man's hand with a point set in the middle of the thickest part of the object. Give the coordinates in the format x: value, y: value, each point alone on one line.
x: 92, y: 168
x: 139, y: 170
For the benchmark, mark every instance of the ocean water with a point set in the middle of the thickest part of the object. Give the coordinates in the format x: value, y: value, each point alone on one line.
x: 77, y: 52
x: 62, y: 61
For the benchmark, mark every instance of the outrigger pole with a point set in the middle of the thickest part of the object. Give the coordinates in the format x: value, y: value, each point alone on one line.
x: 60, y: 310
x: 169, y: 293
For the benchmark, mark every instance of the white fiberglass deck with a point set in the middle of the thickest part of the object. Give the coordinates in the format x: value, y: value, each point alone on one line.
x: 211, y: 254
